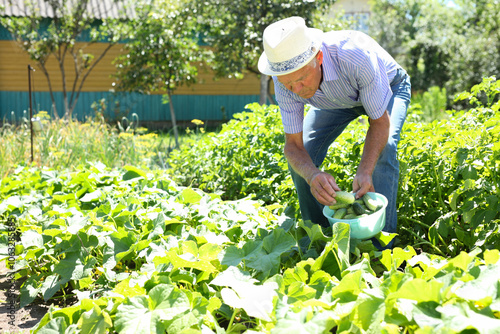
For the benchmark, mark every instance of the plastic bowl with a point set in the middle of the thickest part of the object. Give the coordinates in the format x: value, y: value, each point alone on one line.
x: 362, y: 227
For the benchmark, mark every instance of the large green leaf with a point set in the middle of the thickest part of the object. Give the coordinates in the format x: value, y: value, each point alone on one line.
x: 145, y: 314
x: 314, y: 231
x: 412, y: 289
x: 334, y: 258
x: 304, y: 320
x: 32, y: 238
x: 267, y: 259
x: 95, y: 321
x: 460, y: 316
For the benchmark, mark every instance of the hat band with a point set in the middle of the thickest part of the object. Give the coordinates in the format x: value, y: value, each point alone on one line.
x: 284, y: 66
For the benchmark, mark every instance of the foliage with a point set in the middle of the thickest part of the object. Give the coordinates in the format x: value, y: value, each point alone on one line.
x: 129, y: 251
x: 66, y: 34
x: 235, y: 32
x: 244, y: 158
x: 449, y: 44
x: 431, y: 104
x: 59, y: 144
x: 162, y: 52
x: 448, y: 194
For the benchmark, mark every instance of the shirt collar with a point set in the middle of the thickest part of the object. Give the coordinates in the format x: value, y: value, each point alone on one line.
x: 329, y: 70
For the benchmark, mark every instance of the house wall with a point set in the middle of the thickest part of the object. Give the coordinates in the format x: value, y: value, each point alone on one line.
x: 351, y: 6
x: 357, y: 10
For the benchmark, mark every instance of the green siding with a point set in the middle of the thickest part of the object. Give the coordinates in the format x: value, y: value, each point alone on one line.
x: 147, y: 107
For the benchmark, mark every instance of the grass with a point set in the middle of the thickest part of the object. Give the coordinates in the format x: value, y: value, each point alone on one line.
x: 69, y: 144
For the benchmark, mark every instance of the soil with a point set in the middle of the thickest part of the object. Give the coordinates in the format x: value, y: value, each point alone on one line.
x: 23, y: 319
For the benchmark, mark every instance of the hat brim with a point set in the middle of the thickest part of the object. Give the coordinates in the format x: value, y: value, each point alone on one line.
x: 317, y: 38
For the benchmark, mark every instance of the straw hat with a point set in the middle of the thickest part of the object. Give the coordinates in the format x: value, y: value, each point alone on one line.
x: 288, y: 46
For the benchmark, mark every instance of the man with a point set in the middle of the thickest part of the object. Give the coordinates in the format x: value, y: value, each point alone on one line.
x: 341, y: 75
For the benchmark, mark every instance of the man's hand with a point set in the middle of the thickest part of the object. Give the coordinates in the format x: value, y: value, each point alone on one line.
x: 362, y: 184
x: 323, y: 188
x: 323, y: 185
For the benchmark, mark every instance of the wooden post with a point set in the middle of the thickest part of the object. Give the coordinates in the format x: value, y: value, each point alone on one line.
x: 31, y: 110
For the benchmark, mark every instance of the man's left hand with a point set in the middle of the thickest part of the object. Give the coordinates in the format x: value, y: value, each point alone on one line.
x: 362, y: 184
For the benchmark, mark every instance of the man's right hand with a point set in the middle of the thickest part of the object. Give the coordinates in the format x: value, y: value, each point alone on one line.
x: 323, y: 188
x: 323, y: 185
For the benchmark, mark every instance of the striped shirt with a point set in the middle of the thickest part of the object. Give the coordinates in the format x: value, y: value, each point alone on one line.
x: 357, y: 71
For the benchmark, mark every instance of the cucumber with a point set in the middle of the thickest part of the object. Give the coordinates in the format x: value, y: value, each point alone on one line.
x: 345, y: 197
x: 338, y: 206
x: 358, y: 209
x: 372, y: 202
x: 350, y: 216
x: 340, y: 213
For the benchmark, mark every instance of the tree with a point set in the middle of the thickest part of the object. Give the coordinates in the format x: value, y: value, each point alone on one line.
x: 234, y: 32
x: 162, y: 52
x: 61, y: 36
x: 452, y: 45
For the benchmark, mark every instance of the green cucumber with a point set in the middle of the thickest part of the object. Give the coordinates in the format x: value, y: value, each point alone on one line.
x: 338, y: 206
x: 358, y: 209
x: 344, y: 197
x: 372, y: 202
x: 340, y: 213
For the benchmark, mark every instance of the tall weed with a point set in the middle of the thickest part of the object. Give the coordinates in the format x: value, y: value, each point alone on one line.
x: 66, y: 144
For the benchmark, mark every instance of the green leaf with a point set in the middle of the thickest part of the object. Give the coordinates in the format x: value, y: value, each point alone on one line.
x: 133, y: 173
x: 267, y: 258
x: 491, y: 256
x: 145, y: 314
x: 392, y: 259
x: 349, y: 287
x: 369, y: 311
x: 50, y: 286
x: 256, y: 300
x: 32, y: 238
x: 385, y: 238
x: 189, y: 196
x: 460, y: 316
x: 74, y: 267
x: 92, y: 197
x: 413, y: 289
x: 95, y: 321
x: 314, y: 231
x: 233, y: 276
x: 29, y: 290
x: 122, y: 243
x: 232, y: 255
x: 334, y: 258
x: 484, y: 286
x: 57, y: 325
x: 305, y: 320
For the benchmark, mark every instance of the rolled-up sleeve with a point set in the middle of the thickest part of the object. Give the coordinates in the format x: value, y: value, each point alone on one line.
x: 374, y: 88
x: 292, y: 111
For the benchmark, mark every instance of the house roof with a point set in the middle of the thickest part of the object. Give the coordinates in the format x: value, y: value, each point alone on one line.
x: 97, y: 9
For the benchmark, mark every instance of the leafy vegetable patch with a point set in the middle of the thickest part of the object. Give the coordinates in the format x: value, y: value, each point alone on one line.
x: 129, y: 251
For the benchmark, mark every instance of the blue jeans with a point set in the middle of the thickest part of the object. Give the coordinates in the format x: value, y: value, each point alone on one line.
x: 322, y: 127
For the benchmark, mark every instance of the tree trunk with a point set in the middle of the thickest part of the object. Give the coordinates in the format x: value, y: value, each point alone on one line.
x: 174, y: 121
x: 264, y: 82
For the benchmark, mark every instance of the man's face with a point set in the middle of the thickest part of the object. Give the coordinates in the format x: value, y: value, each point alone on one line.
x: 305, y: 81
